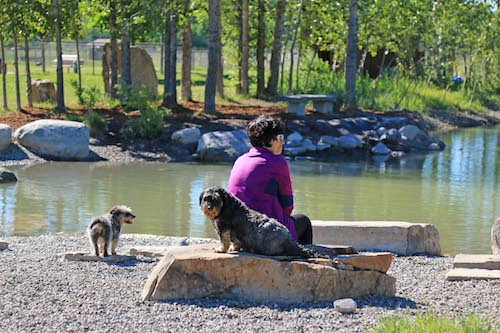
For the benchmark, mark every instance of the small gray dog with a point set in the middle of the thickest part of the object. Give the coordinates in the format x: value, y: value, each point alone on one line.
x: 104, y: 230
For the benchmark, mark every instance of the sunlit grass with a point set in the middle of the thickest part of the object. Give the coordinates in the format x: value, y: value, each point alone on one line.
x: 430, y: 322
x: 389, y: 92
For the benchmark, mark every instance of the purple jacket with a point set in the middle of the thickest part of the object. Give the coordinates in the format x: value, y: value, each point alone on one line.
x: 262, y: 181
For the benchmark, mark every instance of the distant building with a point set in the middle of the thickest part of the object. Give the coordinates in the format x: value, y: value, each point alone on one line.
x: 96, y: 48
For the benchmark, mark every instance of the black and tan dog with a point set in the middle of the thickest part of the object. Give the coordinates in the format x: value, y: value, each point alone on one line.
x: 104, y: 230
x: 242, y: 228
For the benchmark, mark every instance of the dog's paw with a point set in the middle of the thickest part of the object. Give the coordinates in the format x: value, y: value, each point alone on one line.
x: 233, y: 248
x: 220, y: 249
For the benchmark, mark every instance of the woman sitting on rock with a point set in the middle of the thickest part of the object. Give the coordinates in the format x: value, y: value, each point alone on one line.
x: 261, y: 177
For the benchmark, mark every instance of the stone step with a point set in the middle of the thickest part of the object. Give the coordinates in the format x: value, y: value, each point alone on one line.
x: 458, y: 274
x: 4, y: 245
x: 195, y: 271
x: 402, y: 238
x: 480, y: 261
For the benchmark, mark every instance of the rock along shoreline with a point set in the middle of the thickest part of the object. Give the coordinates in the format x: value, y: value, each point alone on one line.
x: 316, y: 128
x: 41, y: 292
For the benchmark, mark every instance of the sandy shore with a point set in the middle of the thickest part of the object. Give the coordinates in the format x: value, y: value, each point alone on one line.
x: 40, y: 292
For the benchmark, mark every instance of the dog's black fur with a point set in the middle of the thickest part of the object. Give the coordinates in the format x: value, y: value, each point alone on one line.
x: 104, y: 230
x: 240, y: 227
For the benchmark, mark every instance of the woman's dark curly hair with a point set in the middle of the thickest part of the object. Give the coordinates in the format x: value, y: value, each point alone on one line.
x: 263, y: 129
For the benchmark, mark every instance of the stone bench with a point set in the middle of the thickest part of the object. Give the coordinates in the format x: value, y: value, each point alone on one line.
x: 475, y: 266
x: 297, y: 103
x: 402, y: 238
x: 195, y: 271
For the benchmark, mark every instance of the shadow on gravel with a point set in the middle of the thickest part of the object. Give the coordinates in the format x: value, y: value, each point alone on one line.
x: 386, y: 302
x: 129, y: 263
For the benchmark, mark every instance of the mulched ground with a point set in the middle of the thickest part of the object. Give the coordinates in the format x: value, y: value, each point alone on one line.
x: 233, y: 115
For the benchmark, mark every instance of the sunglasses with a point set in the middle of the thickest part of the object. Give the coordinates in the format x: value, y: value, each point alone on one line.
x: 280, y: 137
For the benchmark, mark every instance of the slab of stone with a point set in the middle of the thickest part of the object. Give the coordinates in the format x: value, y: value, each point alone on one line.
x: 4, y: 245
x: 481, y: 261
x: 459, y: 274
x: 82, y: 256
x: 159, y: 251
x: 377, y: 261
x: 5, y: 136
x: 184, y: 274
x: 402, y: 238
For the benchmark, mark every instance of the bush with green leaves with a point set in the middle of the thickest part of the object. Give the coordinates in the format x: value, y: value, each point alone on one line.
x: 96, y: 123
x: 149, y: 124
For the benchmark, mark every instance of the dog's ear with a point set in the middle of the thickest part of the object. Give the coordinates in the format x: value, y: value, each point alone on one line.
x: 201, y: 196
x: 114, y: 210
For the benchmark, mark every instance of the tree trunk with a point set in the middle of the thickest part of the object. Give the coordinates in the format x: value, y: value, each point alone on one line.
x: 187, y: 52
x: 261, y: 48
x: 16, y: 68
x: 351, y: 54
x: 220, y: 68
x: 245, y: 48
x: 28, y: 71
x: 292, y: 48
x: 126, y: 80
x: 43, y: 56
x: 238, y: 8
x: 3, y: 70
x: 272, y: 84
x: 213, y: 50
x: 114, y: 49
x: 78, y: 63
x: 60, y: 107
x: 170, y: 93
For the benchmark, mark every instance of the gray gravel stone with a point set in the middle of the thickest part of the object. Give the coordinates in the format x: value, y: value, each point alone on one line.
x: 41, y: 293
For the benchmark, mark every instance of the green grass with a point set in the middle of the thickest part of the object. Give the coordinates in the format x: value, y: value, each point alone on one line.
x: 388, y: 92
x: 432, y: 323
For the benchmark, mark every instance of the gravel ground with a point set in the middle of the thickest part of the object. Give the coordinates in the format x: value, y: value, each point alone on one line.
x: 40, y: 292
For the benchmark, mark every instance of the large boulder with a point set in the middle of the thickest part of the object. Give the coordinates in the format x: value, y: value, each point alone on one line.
x: 495, y: 237
x: 143, y: 71
x: 6, y: 176
x: 5, y: 136
x: 58, y: 139
x: 43, y: 90
x: 195, y: 271
x: 222, y: 146
x: 402, y: 238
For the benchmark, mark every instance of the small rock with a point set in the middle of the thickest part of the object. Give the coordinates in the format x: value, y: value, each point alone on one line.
x: 4, y: 245
x: 345, y: 305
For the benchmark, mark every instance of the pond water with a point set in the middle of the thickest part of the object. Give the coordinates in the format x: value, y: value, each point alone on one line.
x: 457, y: 190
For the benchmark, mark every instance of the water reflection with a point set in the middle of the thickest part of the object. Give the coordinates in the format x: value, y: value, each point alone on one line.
x: 456, y: 190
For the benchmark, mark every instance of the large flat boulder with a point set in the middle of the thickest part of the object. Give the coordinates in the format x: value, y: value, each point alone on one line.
x: 195, y: 271
x: 402, y: 238
x: 59, y: 139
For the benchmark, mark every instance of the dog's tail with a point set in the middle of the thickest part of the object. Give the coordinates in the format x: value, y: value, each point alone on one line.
x: 304, y: 252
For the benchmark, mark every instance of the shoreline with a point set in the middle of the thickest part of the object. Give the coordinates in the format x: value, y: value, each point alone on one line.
x: 161, y: 150
x: 41, y: 292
